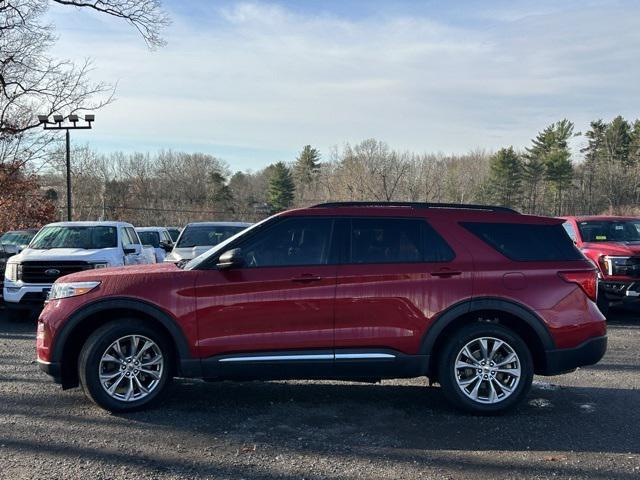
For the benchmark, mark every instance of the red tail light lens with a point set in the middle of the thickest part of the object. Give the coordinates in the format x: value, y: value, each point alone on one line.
x: 586, y: 279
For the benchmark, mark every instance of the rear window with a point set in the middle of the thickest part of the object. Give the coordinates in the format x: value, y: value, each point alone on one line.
x: 527, y: 242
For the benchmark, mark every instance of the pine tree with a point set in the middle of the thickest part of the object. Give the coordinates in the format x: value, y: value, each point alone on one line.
x: 505, y: 177
x: 593, y: 154
x: 305, y: 170
x: 281, y: 187
x: 549, y: 159
x: 618, y: 140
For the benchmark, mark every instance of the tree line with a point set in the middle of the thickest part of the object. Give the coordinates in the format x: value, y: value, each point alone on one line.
x: 547, y: 177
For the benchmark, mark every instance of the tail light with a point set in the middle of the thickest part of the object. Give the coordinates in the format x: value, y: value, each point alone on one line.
x: 587, y: 280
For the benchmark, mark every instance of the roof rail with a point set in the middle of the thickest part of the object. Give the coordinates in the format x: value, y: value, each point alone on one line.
x: 462, y: 206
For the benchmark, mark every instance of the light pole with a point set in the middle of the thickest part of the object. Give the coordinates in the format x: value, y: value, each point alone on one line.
x: 71, y: 124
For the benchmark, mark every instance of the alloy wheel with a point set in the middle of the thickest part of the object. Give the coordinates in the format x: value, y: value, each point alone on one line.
x: 131, y: 368
x: 487, y: 370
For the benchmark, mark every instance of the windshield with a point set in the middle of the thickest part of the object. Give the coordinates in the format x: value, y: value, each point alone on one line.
x: 88, y: 238
x: 150, y: 238
x: 206, y: 235
x: 16, y: 238
x: 174, y: 233
x: 610, y: 231
x: 221, y: 246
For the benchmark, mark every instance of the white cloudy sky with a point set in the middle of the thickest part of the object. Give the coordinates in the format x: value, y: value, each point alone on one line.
x: 252, y: 82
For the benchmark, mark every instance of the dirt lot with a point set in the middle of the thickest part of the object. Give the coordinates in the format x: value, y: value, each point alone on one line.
x: 583, y: 424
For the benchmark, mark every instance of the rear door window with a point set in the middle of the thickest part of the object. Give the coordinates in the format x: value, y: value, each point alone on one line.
x: 527, y: 242
x: 396, y: 240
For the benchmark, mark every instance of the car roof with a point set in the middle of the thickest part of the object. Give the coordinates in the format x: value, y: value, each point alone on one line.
x: 89, y: 224
x: 219, y: 224
x: 150, y: 229
x: 611, y: 218
x: 445, y: 211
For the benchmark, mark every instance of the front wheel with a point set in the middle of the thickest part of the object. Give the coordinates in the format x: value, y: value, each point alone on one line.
x: 485, y: 368
x: 125, y: 366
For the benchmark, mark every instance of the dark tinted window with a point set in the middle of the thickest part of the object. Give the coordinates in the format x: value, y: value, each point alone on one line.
x: 294, y: 241
x: 526, y: 242
x: 150, y: 238
x: 396, y: 240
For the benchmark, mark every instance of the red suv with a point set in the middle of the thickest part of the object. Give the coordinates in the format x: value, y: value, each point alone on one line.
x: 613, y: 245
x: 477, y: 298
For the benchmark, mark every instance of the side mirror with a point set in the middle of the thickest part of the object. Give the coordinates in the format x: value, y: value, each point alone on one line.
x: 166, y: 246
x: 230, y: 259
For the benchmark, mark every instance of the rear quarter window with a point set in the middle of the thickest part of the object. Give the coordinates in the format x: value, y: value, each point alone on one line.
x: 527, y: 242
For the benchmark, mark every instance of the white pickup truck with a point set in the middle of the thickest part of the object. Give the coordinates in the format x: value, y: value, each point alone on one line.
x: 63, y: 248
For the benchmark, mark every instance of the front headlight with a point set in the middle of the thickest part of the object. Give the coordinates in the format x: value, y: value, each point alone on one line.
x: 616, y: 265
x: 11, y: 272
x: 71, y: 289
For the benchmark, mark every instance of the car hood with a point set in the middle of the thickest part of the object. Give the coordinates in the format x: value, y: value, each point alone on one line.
x: 129, y: 271
x: 625, y: 249
x: 29, y: 254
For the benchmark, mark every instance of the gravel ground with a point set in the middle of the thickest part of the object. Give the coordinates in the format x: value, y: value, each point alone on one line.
x: 581, y: 425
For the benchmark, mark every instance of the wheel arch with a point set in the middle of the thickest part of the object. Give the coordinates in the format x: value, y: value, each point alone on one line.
x: 513, y: 315
x: 68, y: 342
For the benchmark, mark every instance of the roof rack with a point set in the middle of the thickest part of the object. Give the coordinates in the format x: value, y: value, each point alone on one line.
x: 462, y: 206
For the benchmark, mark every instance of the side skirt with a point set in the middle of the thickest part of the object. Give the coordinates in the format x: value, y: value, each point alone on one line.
x: 344, y: 364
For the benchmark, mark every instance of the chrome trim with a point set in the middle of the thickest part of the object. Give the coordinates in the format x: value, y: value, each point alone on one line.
x: 43, y: 362
x: 365, y: 356
x: 318, y: 356
x: 270, y: 358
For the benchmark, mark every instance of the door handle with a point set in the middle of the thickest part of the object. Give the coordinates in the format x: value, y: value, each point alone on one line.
x: 306, y: 277
x: 445, y: 273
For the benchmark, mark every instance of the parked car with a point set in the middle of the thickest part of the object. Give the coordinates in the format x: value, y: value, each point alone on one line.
x: 476, y: 298
x: 197, y: 238
x: 613, y: 245
x: 63, y: 248
x: 18, y: 238
x: 174, y: 232
x: 158, y: 238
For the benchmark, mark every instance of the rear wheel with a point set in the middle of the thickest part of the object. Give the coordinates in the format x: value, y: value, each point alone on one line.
x: 485, y: 368
x: 125, y: 366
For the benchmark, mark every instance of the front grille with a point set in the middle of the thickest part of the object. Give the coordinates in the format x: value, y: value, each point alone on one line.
x: 49, y: 272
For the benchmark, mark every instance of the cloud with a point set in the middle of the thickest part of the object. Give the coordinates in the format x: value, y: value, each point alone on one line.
x: 265, y: 79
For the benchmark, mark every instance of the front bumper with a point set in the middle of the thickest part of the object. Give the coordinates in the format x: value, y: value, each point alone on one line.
x: 564, y: 360
x: 52, y: 369
x: 620, y: 292
x: 24, y: 296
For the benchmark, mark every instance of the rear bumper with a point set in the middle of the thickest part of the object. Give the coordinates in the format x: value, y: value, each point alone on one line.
x: 568, y: 359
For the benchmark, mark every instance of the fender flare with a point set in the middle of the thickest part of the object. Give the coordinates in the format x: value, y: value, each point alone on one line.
x: 77, y: 317
x: 486, y: 303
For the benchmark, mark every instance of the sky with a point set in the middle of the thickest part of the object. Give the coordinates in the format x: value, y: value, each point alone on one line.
x: 253, y: 82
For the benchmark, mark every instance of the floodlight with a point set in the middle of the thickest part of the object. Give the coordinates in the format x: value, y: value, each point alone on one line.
x: 43, y: 118
x: 73, y: 118
x: 58, y: 118
x: 89, y: 117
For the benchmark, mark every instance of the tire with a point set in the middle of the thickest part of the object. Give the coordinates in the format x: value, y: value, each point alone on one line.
x: 100, y: 355
x: 495, y: 391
